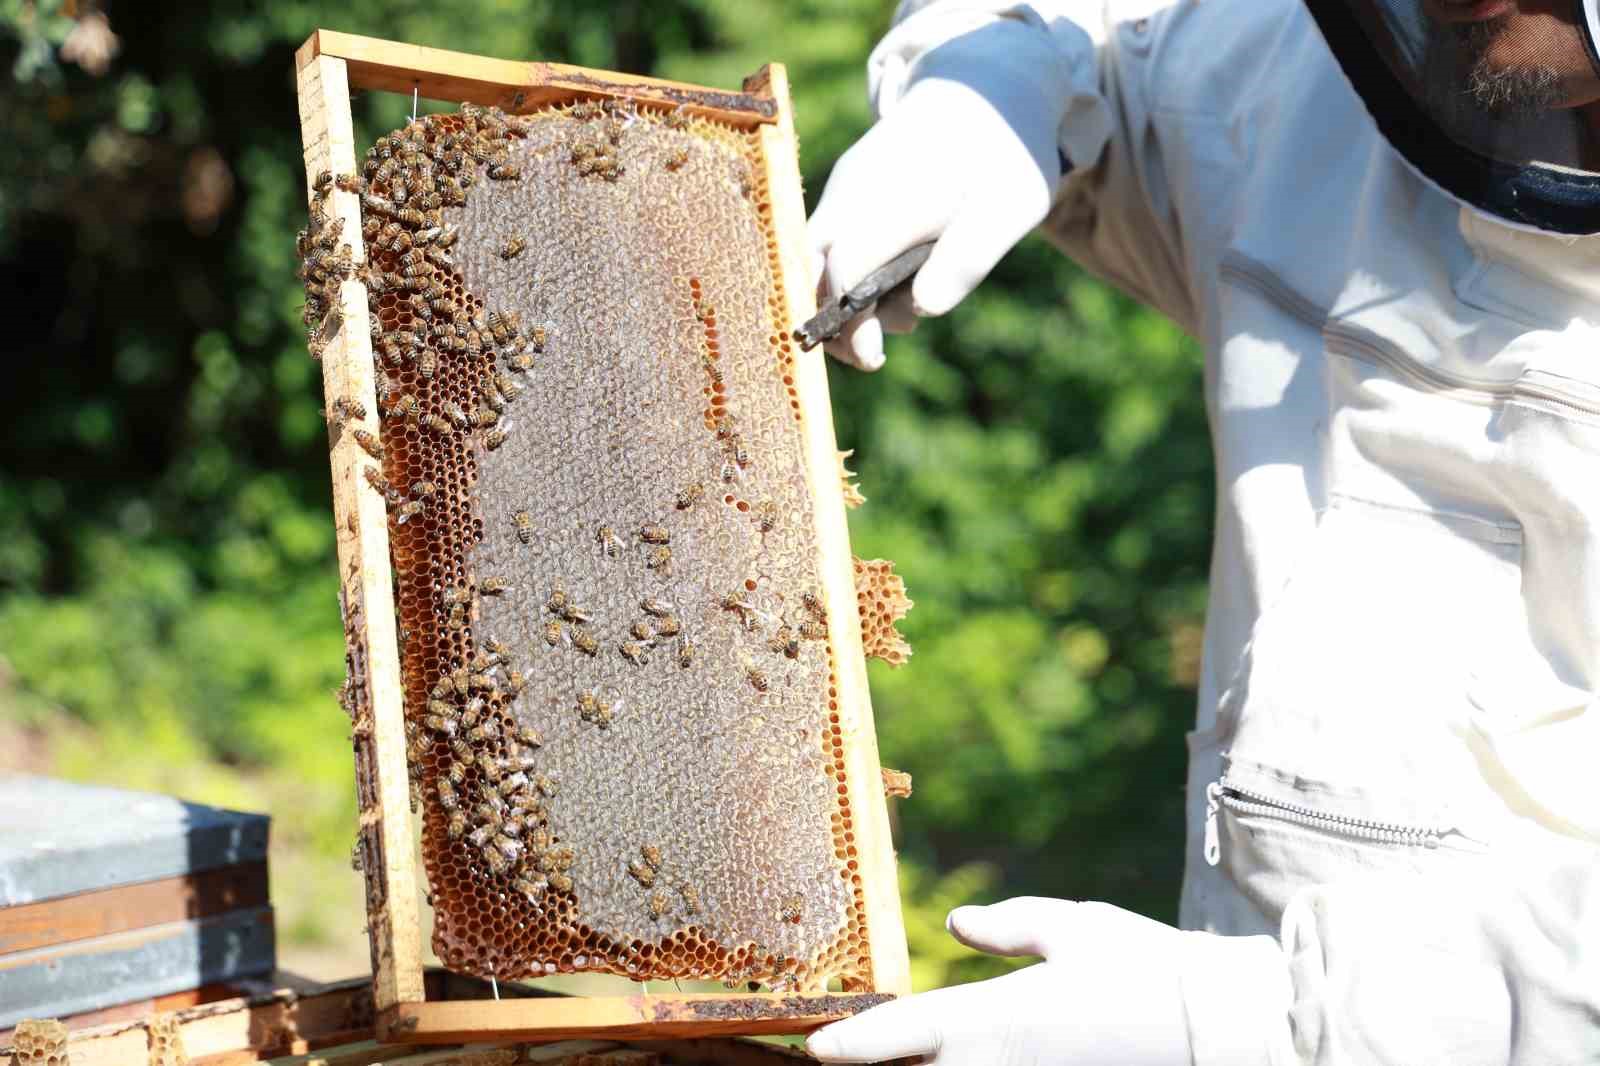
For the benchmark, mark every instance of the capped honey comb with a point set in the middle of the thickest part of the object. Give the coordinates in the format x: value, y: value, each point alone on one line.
x: 620, y: 687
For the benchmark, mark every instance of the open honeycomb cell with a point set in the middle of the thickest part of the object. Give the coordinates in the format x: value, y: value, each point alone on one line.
x: 621, y: 705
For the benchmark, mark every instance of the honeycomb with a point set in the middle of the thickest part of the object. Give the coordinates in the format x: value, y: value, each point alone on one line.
x: 852, y: 492
x: 881, y: 597
x: 166, y: 1042
x: 621, y: 706
x: 39, y: 1043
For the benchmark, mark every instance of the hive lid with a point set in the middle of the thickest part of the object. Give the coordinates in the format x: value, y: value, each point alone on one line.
x: 58, y: 838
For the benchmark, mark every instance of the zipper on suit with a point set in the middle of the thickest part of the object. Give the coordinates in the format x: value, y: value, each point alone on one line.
x: 1220, y: 794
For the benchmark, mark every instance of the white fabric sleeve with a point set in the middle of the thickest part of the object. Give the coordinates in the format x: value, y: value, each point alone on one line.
x: 1054, y: 48
x: 1498, y: 970
x: 1114, y: 213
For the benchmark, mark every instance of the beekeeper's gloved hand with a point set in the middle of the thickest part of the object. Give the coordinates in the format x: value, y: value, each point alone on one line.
x: 968, y: 156
x: 1114, y: 989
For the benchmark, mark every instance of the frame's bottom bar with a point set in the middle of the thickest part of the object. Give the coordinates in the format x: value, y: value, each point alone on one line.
x: 564, y: 1018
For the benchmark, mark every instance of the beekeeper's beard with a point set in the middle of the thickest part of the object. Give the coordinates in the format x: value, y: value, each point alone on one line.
x: 1461, y: 73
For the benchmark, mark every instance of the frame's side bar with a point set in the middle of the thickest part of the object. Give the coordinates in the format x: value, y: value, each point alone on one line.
x: 362, y: 527
x: 513, y: 86
x: 874, y: 849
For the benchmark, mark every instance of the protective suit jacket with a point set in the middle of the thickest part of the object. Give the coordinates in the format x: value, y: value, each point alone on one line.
x: 1395, y: 769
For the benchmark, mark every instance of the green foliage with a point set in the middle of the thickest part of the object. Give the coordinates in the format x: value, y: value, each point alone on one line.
x: 1036, y: 463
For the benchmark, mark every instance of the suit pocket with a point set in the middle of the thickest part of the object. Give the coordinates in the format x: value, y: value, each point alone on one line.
x: 1348, y: 720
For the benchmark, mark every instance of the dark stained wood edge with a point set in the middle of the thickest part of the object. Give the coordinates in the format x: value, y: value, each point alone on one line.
x: 516, y: 87
x: 202, y: 894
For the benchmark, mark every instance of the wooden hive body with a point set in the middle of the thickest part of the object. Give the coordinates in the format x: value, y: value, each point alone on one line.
x: 628, y: 669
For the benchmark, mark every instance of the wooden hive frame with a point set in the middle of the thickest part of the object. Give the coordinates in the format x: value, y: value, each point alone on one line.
x: 328, y: 66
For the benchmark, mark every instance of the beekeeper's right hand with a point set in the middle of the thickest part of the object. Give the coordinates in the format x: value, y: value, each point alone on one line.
x: 966, y: 153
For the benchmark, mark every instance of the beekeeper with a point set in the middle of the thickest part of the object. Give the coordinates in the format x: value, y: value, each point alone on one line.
x: 1379, y: 217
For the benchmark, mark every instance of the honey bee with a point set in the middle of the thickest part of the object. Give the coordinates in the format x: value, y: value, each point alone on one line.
x: 691, y: 898
x: 407, y: 405
x: 455, y: 414
x: 494, y: 438
x: 513, y: 247
x: 608, y: 541
x: 526, y: 734
x: 652, y: 606
x: 559, y: 602
x: 512, y: 782
x: 655, y: 534
x: 785, y: 642
x: 461, y: 679
x: 536, y: 338
x: 686, y: 652
x: 642, y: 873
x: 521, y: 362
x: 492, y: 586
x: 505, y: 172
x: 677, y: 158
x: 677, y: 118
x: 447, y: 796
x: 411, y: 509
x: 766, y: 513
x: 704, y: 310
x: 484, y: 417
x: 690, y: 496
x: 412, y: 217
x: 523, y: 522
x: 530, y: 888
x: 736, y: 449
x: 376, y: 479
x: 496, y: 860
x: 369, y: 443
x: 730, y: 472
x: 552, y: 633
x: 456, y: 828
x: 660, y: 560
x: 634, y: 652
x: 349, y: 408
x: 545, y: 785
x: 793, y: 909
x: 659, y: 904
x: 423, y: 490
x: 585, y: 641
x: 561, y: 882
x: 461, y: 749
x: 585, y: 111
x: 489, y: 765
x: 652, y: 855
x: 455, y: 595
x: 447, y: 236
x: 485, y: 683
x: 350, y: 183
x: 812, y: 630
x: 758, y: 679
x: 668, y: 626
x: 457, y: 773
x: 480, y: 837
x: 427, y: 363
x: 640, y: 631
x: 437, y: 424
x: 497, y: 650
x: 323, y: 180
x: 508, y: 387
x: 813, y: 605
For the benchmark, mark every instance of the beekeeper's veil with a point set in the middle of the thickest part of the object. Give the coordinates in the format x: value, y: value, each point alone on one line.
x: 1484, y: 97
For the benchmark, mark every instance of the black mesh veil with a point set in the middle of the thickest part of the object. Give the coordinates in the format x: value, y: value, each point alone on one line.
x: 1492, y: 101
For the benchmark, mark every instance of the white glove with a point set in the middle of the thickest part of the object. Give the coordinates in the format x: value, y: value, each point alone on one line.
x: 1110, y: 992
x: 968, y: 156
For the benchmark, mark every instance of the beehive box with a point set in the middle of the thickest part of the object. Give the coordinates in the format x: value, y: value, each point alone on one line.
x: 602, y: 617
x: 109, y: 896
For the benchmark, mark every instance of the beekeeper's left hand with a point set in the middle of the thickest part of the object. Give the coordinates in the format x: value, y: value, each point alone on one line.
x: 1110, y: 992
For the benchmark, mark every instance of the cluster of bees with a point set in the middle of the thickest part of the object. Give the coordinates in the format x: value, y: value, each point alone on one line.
x: 648, y: 871
x: 596, y: 156
x: 490, y: 789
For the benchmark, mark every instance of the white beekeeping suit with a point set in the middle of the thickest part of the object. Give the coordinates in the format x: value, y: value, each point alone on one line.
x: 1379, y: 217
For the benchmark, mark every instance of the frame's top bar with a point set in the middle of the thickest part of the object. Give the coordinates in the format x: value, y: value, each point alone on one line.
x: 518, y: 87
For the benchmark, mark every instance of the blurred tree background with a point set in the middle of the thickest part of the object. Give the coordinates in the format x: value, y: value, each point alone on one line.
x: 1037, y: 463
